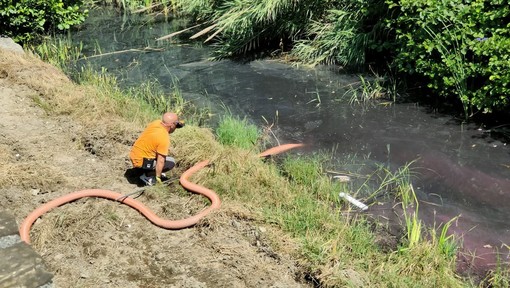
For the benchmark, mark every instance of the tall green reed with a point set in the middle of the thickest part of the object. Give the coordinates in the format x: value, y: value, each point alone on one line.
x: 453, y: 59
x: 447, y: 244
x: 241, y: 26
x: 60, y: 52
x: 413, y: 223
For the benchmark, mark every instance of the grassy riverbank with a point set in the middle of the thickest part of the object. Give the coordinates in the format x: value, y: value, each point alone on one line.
x: 335, y: 246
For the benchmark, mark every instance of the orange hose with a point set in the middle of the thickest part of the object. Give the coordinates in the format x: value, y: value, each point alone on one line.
x: 24, y: 229
x: 279, y: 149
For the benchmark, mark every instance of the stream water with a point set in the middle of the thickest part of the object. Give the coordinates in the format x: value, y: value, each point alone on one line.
x: 460, y: 169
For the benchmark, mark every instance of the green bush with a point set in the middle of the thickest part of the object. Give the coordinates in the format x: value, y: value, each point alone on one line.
x: 25, y: 20
x: 461, y: 47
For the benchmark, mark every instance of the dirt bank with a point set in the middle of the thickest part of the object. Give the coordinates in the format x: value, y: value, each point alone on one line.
x: 100, y: 243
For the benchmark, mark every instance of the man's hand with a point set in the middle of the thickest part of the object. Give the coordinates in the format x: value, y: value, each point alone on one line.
x: 158, y: 180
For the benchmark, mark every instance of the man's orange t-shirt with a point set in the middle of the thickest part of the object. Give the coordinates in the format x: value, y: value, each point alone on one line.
x: 154, y: 139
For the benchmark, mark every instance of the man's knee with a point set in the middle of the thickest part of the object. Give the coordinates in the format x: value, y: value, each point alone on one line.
x: 169, y: 163
x: 132, y: 174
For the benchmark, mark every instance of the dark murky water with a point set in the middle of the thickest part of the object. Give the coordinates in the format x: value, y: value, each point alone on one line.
x: 460, y: 169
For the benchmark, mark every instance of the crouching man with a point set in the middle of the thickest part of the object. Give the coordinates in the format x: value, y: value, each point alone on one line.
x: 149, y: 154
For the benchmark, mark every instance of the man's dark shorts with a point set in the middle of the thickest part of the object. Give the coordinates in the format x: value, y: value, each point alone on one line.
x: 149, y: 167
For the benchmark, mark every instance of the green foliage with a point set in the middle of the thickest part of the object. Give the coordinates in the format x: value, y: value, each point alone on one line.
x: 165, y: 7
x: 198, y: 9
x: 345, y: 34
x: 24, y: 20
x: 335, y: 39
x: 246, y: 25
x: 498, y: 277
x: 460, y: 47
x: 309, y: 171
x: 237, y: 132
x: 303, y: 170
x: 446, y: 244
x: 413, y: 223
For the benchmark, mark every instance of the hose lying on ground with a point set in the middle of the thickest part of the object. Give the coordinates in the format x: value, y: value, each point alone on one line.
x: 24, y: 229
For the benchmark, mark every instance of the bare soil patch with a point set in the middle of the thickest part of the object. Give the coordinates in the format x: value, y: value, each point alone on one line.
x: 101, y: 243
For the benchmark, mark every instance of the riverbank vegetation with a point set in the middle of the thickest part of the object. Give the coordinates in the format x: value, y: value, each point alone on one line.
x: 336, y: 245
x: 451, y: 53
x: 454, y: 52
x: 28, y: 20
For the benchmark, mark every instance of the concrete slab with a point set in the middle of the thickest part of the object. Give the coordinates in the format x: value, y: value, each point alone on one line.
x: 8, y: 225
x: 20, y: 265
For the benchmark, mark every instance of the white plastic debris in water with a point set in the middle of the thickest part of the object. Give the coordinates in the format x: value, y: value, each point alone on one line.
x: 342, y: 178
x: 353, y: 201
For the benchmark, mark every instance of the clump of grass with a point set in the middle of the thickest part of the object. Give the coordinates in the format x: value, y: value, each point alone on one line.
x: 365, y: 92
x: 498, y: 277
x: 446, y: 244
x: 304, y: 170
x: 413, y: 229
x: 60, y: 52
x: 381, y: 182
x: 398, y: 184
x: 419, y: 266
x: 111, y: 215
x: 24, y: 175
x: 233, y: 131
x: 197, y: 144
x: 316, y: 99
x: 308, y: 171
x: 144, y: 102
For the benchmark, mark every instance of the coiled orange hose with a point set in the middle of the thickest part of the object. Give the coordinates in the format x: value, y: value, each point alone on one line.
x: 24, y: 229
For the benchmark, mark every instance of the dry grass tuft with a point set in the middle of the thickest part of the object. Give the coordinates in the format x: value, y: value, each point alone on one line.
x: 24, y: 175
x: 29, y: 70
x: 5, y: 155
x: 192, y: 144
x: 241, y: 212
x: 74, y: 222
